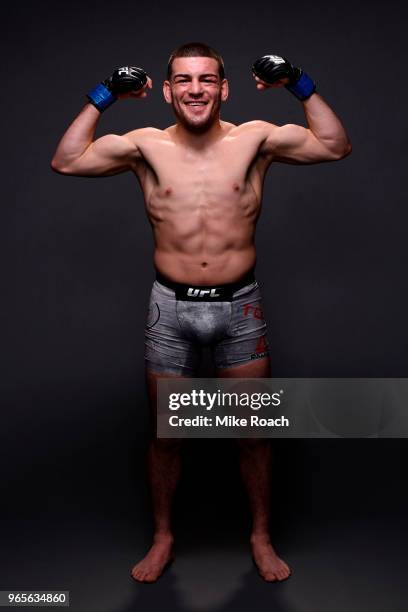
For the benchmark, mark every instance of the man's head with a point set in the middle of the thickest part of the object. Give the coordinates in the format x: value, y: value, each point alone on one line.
x: 196, y: 49
x: 196, y: 85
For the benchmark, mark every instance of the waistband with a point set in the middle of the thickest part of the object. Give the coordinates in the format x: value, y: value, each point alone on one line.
x: 206, y: 293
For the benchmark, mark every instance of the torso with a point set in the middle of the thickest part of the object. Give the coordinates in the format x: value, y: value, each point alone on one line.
x: 203, y: 204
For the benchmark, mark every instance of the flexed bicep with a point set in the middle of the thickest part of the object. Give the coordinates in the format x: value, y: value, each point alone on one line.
x: 78, y: 154
x: 108, y: 155
x: 323, y: 140
x: 295, y: 144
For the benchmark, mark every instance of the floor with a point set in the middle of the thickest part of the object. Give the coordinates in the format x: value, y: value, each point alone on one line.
x: 340, y: 566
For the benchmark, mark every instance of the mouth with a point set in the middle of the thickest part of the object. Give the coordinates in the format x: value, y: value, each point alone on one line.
x: 196, y: 103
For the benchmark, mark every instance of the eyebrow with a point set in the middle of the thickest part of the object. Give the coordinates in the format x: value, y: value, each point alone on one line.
x: 188, y: 76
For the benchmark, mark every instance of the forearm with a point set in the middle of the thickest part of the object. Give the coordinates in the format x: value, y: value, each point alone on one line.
x: 77, y: 138
x: 325, y: 125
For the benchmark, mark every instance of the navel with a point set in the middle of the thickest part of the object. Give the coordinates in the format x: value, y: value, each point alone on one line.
x: 204, y: 264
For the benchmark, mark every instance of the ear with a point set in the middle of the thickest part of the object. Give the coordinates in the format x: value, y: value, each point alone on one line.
x: 224, y: 90
x: 167, y: 92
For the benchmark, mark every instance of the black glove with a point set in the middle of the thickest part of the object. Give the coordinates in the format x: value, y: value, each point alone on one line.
x: 123, y: 80
x: 272, y: 68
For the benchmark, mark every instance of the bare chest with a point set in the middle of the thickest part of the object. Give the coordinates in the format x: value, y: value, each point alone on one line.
x: 226, y: 177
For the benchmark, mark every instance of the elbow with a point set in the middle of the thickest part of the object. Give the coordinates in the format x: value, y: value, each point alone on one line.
x: 57, y: 167
x: 347, y: 149
x: 340, y: 152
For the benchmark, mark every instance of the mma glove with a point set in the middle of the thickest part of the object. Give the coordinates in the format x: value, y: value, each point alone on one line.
x: 272, y: 68
x: 123, y: 80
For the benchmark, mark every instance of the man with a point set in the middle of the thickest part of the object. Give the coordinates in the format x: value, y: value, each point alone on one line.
x: 202, y: 181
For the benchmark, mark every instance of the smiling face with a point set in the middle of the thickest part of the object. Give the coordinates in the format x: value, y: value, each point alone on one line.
x: 196, y: 91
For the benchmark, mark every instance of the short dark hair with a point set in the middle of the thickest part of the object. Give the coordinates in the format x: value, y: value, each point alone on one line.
x: 196, y: 49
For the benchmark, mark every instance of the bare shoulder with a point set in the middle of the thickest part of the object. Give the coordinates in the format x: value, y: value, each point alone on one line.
x: 141, y: 135
x: 256, y: 131
x: 227, y: 126
x: 257, y: 126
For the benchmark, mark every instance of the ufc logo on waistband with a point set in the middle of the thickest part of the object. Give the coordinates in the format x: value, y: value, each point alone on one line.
x: 200, y: 293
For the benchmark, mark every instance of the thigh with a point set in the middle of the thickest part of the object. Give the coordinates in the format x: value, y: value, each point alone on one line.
x: 167, y: 349
x: 244, y: 347
x: 261, y: 368
x: 152, y: 379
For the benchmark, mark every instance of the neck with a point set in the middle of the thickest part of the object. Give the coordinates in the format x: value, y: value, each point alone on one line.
x: 198, y: 139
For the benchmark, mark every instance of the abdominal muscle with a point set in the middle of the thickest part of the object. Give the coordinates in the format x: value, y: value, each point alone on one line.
x: 227, y: 267
x: 208, y: 245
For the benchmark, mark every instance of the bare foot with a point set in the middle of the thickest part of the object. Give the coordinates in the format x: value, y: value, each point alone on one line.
x: 151, y: 567
x: 270, y: 566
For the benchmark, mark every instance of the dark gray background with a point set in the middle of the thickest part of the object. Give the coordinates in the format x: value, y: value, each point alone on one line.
x: 77, y: 273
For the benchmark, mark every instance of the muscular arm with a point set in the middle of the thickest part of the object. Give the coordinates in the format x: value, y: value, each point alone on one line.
x: 77, y: 154
x: 325, y: 139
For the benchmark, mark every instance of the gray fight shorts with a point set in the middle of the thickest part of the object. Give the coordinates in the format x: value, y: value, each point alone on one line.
x: 182, y: 319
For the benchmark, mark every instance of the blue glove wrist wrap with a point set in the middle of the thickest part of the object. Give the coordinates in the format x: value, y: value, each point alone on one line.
x: 101, y: 97
x: 303, y: 88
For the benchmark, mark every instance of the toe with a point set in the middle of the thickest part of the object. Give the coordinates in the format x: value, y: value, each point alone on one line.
x: 148, y: 578
x: 138, y: 574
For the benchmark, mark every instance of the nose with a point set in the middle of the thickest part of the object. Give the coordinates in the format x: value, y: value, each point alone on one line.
x: 195, y: 88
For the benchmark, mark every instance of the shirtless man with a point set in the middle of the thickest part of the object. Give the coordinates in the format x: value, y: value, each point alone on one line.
x: 202, y: 181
